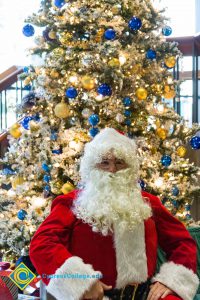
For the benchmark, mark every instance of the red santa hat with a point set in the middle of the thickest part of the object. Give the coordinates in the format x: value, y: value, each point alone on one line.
x: 108, y: 139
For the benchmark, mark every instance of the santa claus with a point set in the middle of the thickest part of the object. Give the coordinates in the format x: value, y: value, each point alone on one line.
x: 103, y: 239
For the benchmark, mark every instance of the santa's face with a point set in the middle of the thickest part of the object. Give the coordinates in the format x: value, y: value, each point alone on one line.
x: 112, y: 164
x: 112, y: 195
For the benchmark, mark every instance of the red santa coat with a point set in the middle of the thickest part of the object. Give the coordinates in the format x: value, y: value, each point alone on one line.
x: 64, y: 245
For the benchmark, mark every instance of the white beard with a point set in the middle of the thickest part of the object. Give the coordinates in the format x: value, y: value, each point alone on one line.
x: 112, y: 198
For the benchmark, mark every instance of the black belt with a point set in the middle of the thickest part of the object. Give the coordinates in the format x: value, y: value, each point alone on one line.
x: 130, y: 292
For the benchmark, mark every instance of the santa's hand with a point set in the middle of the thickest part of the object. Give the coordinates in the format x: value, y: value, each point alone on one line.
x: 96, y: 291
x: 159, y: 290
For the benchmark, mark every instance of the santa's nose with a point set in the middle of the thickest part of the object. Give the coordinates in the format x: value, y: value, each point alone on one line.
x: 112, y: 168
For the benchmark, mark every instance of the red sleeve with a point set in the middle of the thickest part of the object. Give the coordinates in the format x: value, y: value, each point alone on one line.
x: 173, y: 237
x: 48, y: 248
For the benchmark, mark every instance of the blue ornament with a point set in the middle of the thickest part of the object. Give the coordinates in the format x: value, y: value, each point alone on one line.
x: 27, y: 87
x: 110, y: 34
x: 57, y: 151
x: 127, y: 122
x: 94, y: 120
x: 188, y: 216
x: 166, y: 160
x: 45, y: 167
x: 25, y: 122
x: 93, y: 131
x: 7, y: 171
x: 167, y: 31
x: 36, y: 117
x: 21, y: 214
x: 29, y: 100
x: 142, y: 184
x: 28, y: 30
x: 175, y: 203
x: 85, y: 37
x: 135, y: 23
x: 71, y: 92
x: 151, y: 54
x: 59, y: 3
x: 127, y: 113
x: 46, y: 178
x: 164, y: 200
x: 175, y: 191
x: 195, y: 142
x: 127, y: 101
x: 26, y: 69
x: 47, y: 188
x: 104, y: 90
x: 54, y: 135
x: 187, y: 207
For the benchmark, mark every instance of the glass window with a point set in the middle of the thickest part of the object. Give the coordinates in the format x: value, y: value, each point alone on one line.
x: 186, y: 109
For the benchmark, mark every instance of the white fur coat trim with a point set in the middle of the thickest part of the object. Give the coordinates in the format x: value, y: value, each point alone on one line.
x: 72, y: 288
x: 130, y: 256
x: 183, y: 281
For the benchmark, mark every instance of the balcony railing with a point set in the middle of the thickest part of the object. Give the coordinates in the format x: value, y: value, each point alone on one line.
x: 11, y: 93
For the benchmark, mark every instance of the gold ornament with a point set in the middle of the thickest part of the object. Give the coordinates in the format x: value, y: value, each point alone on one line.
x: 57, y: 53
x: 169, y: 92
x: 157, y: 122
x: 157, y: 89
x: 141, y: 93
x: 99, y: 35
x: 27, y: 80
x: 114, y: 62
x: 116, y: 9
x: 136, y: 69
x: 39, y: 211
x: 52, y: 35
x: 162, y: 133
x: 88, y: 82
x: 17, y: 181
x: 181, y: 151
x: 65, y: 38
x: 56, y: 187
x: 153, y: 150
x: 62, y: 110
x: 54, y: 74
x: 166, y: 175
x: 15, y: 131
x: 67, y: 188
x: 170, y: 62
x: 34, y: 126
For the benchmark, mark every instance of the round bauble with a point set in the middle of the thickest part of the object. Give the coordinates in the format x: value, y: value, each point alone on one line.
x: 62, y: 110
x: 141, y: 93
x: 67, y: 188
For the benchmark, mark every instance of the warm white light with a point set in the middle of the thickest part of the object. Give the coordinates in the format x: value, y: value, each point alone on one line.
x: 38, y: 202
x: 99, y: 97
x: 159, y: 182
x: 73, y: 79
x: 160, y: 108
x: 122, y: 60
x: 11, y: 193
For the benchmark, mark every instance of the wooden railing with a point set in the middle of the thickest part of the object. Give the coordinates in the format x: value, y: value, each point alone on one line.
x: 9, y: 77
x: 188, y: 45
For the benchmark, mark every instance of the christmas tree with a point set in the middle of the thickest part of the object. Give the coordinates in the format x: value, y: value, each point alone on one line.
x: 105, y: 64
